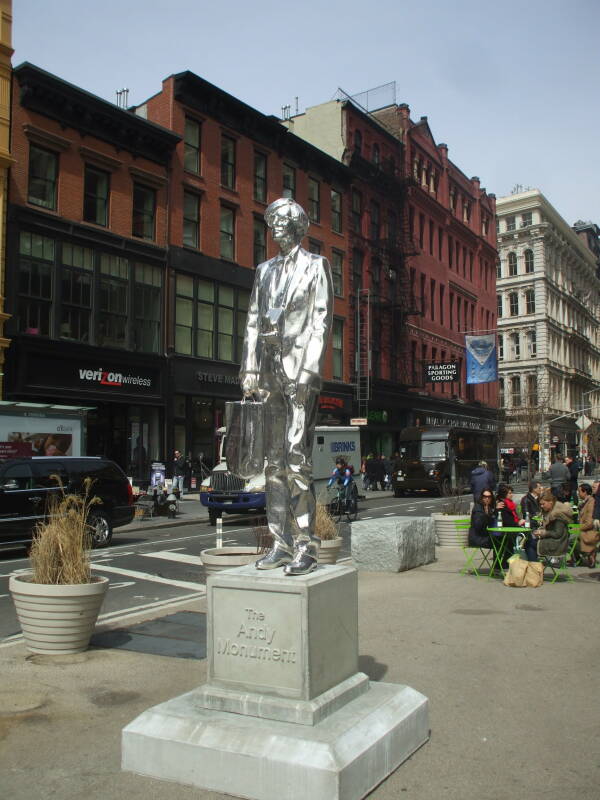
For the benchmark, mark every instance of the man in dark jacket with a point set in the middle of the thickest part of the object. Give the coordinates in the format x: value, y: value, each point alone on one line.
x: 482, y: 478
x: 530, y: 503
x: 573, y: 467
x: 559, y: 474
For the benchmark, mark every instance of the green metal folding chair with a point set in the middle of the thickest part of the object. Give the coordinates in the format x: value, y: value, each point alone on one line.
x: 559, y: 564
x: 462, y: 525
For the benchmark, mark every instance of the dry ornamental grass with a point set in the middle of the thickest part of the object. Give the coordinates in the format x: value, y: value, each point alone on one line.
x: 60, y: 550
x: 325, y: 528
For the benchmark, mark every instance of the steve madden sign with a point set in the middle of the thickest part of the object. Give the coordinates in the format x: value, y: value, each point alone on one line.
x: 113, y: 379
x: 215, y: 377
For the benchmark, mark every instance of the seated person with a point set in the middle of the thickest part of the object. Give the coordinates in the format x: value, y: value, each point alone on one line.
x: 530, y: 502
x: 483, y: 516
x: 588, y: 535
x: 342, y: 474
x: 506, y: 504
x: 553, y: 535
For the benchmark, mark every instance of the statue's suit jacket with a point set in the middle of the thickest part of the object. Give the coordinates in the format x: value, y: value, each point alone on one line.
x: 304, y: 325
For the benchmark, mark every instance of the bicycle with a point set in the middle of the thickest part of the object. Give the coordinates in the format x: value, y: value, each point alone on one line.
x: 345, y: 503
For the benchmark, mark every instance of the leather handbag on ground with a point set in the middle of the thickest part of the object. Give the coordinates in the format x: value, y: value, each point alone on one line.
x: 245, y: 443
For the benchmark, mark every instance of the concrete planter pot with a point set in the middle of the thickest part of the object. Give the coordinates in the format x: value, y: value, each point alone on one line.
x: 329, y: 550
x: 57, y: 619
x: 216, y: 559
x: 446, y: 534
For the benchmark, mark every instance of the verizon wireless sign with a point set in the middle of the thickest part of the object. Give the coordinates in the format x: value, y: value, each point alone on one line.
x: 109, y: 378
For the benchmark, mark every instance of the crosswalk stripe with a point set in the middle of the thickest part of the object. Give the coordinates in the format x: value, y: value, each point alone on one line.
x: 146, y: 576
x: 169, y: 555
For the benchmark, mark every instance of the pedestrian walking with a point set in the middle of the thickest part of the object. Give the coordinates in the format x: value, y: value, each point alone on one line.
x: 178, y: 472
x: 482, y: 478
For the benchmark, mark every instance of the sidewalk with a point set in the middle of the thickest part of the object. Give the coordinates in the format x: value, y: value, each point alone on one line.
x: 511, y: 674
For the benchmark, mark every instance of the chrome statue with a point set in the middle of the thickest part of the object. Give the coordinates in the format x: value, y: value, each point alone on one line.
x: 287, y: 329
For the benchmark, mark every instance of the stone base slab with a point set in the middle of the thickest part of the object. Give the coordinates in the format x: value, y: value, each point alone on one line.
x: 283, y: 709
x: 341, y: 758
x: 394, y: 544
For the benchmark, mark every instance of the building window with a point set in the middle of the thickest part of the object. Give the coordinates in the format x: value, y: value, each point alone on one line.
x: 336, y: 211
x: 499, y: 302
x: 515, y: 387
x: 532, y: 344
x: 314, y: 200
x: 227, y: 233
x: 36, y: 264
x: 337, y: 272
x: 532, y: 392
x: 515, y: 341
x: 375, y: 155
x: 513, y: 301
x: 260, y: 177
x: 375, y: 276
x: 289, y: 181
x: 147, y: 294
x: 114, y: 293
x: 500, y: 347
x: 452, y: 199
x: 144, y: 205
x: 530, y: 301
x: 466, y: 211
x: 375, y: 220
x: 442, y: 293
x: 356, y: 211
x: 501, y: 392
x: 227, y: 162
x: 392, y: 227
x: 432, y: 293
x: 43, y: 178
x: 76, y: 292
x: 526, y: 219
x: 511, y: 224
x: 440, y: 244
x: 95, y: 196
x: 314, y: 247
x: 191, y: 146
x: 498, y: 268
x: 358, y: 142
x: 191, y: 220
x: 421, y: 230
x: 528, y: 261
x: 338, y: 349
x: 210, y: 319
x: 357, y: 265
x: 512, y: 264
x: 259, y: 241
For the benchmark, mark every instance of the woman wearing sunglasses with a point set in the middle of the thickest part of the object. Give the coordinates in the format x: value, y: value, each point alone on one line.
x: 483, y: 516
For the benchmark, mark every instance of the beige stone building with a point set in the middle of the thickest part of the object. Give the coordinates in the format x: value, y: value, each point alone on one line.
x: 6, y: 52
x: 548, y: 335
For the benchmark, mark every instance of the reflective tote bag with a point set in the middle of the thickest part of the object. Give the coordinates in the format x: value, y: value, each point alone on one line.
x: 245, y: 443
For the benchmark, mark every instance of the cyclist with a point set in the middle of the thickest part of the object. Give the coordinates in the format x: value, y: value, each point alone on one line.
x: 343, y: 475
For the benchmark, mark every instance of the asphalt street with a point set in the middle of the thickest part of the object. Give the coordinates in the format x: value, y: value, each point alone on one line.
x: 155, y: 567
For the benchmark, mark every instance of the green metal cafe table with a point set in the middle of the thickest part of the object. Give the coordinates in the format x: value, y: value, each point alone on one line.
x: 499, y: 539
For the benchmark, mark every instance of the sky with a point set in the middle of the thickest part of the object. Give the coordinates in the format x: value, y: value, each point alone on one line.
x: 511, y: 87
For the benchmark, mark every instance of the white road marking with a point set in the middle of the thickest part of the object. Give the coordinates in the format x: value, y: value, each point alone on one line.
x: 366, y: 517
x: 169, y: 555
x: 146, y: 576
x: 121, y: 584
x: 390, y: 514
x: 125, y: 613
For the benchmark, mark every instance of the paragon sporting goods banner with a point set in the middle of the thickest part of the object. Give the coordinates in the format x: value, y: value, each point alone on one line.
x: 482, y: 362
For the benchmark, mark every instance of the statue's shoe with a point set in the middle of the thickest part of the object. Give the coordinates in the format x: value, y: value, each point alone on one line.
x: 276, y: 557
x: 304, y: 561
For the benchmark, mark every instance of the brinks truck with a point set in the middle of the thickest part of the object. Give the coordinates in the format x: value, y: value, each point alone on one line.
x: 225, y: 493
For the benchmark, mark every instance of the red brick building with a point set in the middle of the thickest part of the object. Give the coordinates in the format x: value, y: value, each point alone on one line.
x: 87, y: 256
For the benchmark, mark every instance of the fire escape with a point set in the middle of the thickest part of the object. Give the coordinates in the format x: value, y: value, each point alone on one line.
x: 381, y: 308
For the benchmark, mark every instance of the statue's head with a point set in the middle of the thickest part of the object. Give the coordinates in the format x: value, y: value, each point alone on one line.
x: 288, y: 221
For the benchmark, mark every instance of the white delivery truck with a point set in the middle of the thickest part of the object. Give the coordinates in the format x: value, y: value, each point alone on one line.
x: 225, y: 493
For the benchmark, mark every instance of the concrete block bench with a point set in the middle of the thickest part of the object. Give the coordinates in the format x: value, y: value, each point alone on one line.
x: 393, y: 544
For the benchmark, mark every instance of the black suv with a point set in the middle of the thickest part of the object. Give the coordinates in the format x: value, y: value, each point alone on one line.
x: 26, y: 485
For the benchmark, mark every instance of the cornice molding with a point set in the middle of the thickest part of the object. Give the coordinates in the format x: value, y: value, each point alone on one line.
x: 157, y: 181
x: 100, y: 159
x: 44, y: 137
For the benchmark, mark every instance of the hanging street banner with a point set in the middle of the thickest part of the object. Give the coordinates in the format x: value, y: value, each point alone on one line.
x: 438, y: 372
x: 482, y: 365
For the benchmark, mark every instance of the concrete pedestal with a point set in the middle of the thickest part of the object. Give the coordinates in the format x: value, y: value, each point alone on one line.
x: 285, y: 712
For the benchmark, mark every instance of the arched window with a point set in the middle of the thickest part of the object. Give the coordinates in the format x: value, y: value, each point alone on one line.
x: 532, y: 393
x: 530, y: 301
x: 528, y: 260
x: 512, y: 264
x: 357, y: 142
x: 513, y: 301
x: 515, y: 346
x: 375, y: 154
x: 515, y: 390
x: 532, y: 344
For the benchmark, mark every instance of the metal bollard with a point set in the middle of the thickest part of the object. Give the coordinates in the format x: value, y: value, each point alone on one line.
x: 219, y: 532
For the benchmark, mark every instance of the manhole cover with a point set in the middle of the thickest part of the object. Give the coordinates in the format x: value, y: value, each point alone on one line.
x: 15, y: 702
